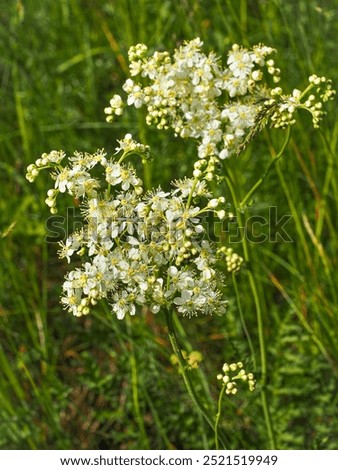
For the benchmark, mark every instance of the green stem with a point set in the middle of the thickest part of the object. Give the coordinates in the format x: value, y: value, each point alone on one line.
x: 218, y: 416
x: 21, y: 111
x: 259, y: 316
x: 147, y: 166
x: 160, y: 428
x: 199, y: 372
x: 183, y: 368
x: 307, y: 89
x: 329, y: 178
x: 134, y: 385
x: 243, y: 17
x: 295, y: 214
x: 245, y: 329
x: 191, y: 192
x: 267, y: 171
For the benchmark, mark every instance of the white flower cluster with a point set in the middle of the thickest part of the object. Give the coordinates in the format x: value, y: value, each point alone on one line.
x: 140, y: 249
x: 222, y: 107
x: 231, y: 374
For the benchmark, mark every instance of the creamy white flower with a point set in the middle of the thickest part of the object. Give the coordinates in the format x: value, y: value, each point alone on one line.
x: 141, y: 249
x: 73, y: 244
x: 187, y: 90
x: 240, y: 63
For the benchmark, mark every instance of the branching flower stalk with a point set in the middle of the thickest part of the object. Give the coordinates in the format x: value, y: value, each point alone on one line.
x: 232, y: 373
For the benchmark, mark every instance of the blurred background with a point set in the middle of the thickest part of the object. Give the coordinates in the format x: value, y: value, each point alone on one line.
x: 99, y: 383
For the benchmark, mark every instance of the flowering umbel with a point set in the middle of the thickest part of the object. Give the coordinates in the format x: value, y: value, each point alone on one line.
x: 139, y: 248
x: 223, y: 107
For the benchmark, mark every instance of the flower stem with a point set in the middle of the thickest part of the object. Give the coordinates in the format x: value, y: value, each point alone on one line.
x: 147, y: 166
x: 245, y: 329
x: 183, y: 368
x: 194, y: 184
x: 218, y: 416
x: 309, y: 87
x: 267, y: 171
x: 259, y: 316
x: 135, y: 388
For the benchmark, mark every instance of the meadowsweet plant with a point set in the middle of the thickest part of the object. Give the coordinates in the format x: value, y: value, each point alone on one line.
x: 223, y: 107
x: 152, y: 248
x: 139, y: 248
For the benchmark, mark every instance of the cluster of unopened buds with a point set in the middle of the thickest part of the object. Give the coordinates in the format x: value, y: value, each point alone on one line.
x: 232, y: 373
x: 233, y: 260
x: 222, y: 107
x: 281, y: 108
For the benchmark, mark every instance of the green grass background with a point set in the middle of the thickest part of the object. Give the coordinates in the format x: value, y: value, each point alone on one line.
x: 96, y: 382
